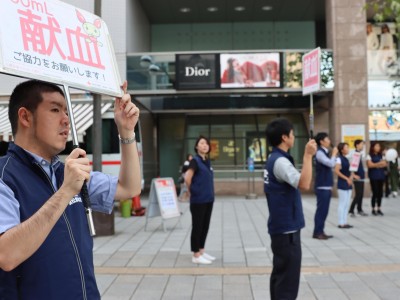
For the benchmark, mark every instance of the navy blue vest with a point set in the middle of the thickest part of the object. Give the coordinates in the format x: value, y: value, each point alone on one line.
x: 284, y: 201
x: 345, y: 170
x: 323, y: 174
x: 202, y: 186
x: 360, y: 171
x: 62, y: 267
x: 376, y: 173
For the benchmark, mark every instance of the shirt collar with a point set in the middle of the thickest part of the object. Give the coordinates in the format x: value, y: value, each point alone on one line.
x: 325, y: 149
x: 55, y: 161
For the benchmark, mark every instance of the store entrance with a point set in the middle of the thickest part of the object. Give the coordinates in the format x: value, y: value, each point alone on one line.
x: 233, y: 137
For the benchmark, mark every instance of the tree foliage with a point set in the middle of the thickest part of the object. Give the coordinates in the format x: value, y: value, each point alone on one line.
x: 385, y: 10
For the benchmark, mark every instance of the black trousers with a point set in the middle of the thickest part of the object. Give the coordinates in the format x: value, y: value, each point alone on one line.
x: 377, y: 192
x: 285, y: 276
x: 201, y: 217
x: 358, y: 197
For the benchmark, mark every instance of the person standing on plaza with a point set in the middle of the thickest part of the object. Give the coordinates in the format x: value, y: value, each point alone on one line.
x: 394, y: 177
x: 46, y: 251
x: 376, y: 173
x: 199, y: 179
x: 344, y: 184
x: 184, y: 192
x: 324, y: 165
x: 358, y: 182
x: 282, y: 182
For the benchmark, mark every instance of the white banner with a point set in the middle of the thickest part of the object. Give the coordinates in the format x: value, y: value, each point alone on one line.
x: 56, y: 42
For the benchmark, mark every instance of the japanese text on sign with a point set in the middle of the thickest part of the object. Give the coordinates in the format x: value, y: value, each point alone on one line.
x: 311, y: 71
x: 56, y: 42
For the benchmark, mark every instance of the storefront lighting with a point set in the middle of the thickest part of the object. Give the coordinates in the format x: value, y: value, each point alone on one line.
x: 145, y: 61
x: 240, y: 8
x: 266, y: 8
x: 212, y: 9
x: 184, y: 10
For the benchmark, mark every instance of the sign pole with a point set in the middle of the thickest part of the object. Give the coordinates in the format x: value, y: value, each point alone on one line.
x: 84, y: 191
x: 311, y: 116
x: 311, y: 79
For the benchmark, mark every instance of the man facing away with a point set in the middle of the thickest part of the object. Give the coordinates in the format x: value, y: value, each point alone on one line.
x: 45, y: 244
x: 323, y: 183
x: 282, y: 182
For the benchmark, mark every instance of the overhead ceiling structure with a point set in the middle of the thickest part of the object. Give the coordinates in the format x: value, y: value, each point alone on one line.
x: 216, y: 11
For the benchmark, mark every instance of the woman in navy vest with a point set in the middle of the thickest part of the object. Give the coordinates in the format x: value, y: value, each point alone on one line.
x: 344, y: 184
x: 376, y: 173
x: 200, y: 181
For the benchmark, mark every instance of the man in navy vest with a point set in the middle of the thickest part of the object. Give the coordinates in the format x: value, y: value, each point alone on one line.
x: 45, y: 244
x: 323, y: 183
x: 282, y: 182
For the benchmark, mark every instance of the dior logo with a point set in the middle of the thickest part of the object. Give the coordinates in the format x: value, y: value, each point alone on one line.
x: 76, y: 199
x: 197, y: 72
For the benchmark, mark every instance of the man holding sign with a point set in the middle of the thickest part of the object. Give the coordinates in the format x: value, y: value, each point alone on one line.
x: 45, y: 244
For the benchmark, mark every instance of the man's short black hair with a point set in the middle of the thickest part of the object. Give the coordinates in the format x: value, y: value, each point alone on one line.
x: 357, y: 142
x: 28, y: 94
x: 276, y: 129
x: 319, y: 137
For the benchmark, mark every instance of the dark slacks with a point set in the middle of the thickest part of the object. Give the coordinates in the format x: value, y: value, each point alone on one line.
x: 323, y: 201
x: 377, y: 192
x: 285, y: 276
x: 201, y: 217
x: 358, y: 197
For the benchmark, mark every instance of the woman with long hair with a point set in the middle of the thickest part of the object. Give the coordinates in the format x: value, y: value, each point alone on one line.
x: 200, y: 181
x: 344, y: 184
x: 376, y: 173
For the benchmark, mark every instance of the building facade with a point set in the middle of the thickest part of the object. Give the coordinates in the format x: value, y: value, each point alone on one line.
x: 155, y: 40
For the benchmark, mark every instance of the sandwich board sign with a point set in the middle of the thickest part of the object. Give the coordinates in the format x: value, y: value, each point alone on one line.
x: 56, y: 42
x: 163, y: 200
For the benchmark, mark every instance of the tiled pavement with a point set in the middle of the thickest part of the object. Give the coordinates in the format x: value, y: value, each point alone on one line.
x: 358, y: 263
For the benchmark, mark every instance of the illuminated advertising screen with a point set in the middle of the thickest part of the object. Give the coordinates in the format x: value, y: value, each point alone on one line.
x: 196, y: 71
x: 250, y: 70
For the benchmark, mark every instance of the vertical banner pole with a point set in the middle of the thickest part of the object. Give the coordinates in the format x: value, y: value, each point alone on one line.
x: 311, y: 116
x: 84, y: 191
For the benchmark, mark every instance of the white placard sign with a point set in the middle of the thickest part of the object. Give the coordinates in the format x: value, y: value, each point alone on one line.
x: 164, y: 194
x: 311, y: 71
x: 57, y: 42
x: 162, y: 200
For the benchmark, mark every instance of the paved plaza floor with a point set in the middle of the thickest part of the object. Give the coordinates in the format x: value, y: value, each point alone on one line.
x: 358, y: 263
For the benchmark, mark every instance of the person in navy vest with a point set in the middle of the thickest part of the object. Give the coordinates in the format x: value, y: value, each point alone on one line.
x: 358, y: 182
x: 46, y: 250
x: 282, y: 182
x: 324, y: 165
x: 376, y: 173
x: 199, y: 179
x: 344, y: 184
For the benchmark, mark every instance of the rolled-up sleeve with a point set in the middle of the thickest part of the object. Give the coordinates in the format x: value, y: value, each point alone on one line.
x: 323, y: 159
x: 102, y: 188
x: 284, y: 171
x: 9, y: 208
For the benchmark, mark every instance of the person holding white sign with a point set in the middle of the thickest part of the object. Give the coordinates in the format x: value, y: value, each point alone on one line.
x: 282, y: 184
x: 200, y: 182
x: 323, y: 183
x: 358, y: 181
x: 45, y: 243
